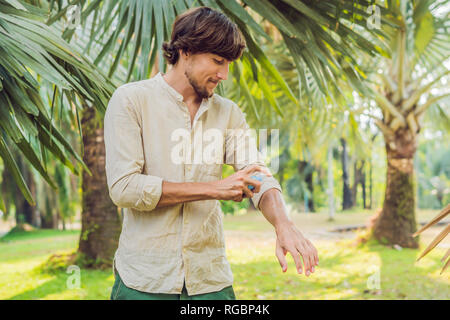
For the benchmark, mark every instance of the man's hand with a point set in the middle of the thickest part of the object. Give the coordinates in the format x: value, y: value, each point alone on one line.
x: 235, y: 187
x: 290, y: 239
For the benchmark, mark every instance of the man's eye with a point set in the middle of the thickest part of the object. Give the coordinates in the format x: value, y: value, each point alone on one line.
x: 218, y: 61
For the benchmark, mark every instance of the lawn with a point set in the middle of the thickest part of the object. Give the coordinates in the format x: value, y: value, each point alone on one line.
x: 345, y: 271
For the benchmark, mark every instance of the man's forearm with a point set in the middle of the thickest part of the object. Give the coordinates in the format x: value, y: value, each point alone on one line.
x: 178, y: 192
x: 273, y: 208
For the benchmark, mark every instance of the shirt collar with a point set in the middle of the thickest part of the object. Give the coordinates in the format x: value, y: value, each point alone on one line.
x: 175, y: 94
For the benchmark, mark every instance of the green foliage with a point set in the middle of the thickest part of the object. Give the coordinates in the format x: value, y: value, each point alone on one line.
x: 89, y: 229
x: 432, y: 164
x: 233, y: 207
x: 33, y: 55
x: 57, y: 263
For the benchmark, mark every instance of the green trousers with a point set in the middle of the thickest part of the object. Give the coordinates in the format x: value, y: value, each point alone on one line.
x: 121, y: 292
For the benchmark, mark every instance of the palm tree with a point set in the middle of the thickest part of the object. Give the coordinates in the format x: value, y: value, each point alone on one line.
x: 40, y: 73
x: 100, y: 220
x: 347, y: 202
x: 125, y: 38
x: 35, y: 57
x: 130, y: 34
x: 408, y: 83
x: 310, y: 131
x: 133, y: 47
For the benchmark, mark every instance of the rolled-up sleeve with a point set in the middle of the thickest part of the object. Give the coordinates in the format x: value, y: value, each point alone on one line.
x: 241, y: 152
x: 128, y: 186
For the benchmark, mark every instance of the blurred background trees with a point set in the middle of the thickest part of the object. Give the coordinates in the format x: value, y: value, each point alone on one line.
x: 348, y: 84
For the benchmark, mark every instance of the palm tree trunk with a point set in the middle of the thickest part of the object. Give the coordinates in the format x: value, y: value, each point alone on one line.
x: 347, y: 193
x: 370, y: 206
x: 363, y: 187
x: 100, y: 222
x: 370, y: 185
x: 25, y: 213
x: 359, y: 179
x: 330, y: 191
x: 310, y: 184
x: 49, y: 209
x: 306, y: 171
x: 396, y: 222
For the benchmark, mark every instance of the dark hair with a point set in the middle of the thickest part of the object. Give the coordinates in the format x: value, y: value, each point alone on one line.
x: 204, y: 30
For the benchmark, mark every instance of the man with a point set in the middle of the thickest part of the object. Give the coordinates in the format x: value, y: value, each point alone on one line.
x: 172, y: 243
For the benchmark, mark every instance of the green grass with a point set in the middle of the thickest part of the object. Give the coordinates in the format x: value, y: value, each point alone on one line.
x: 343, y: 272
x: 21, y: 256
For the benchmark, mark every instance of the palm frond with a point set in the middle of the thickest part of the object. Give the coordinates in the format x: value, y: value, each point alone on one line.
x: 316, y: 31
x: 441, y: 215
x: 30, y: 49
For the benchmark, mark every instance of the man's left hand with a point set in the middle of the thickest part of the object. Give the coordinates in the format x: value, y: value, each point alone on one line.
x: 290, y: 239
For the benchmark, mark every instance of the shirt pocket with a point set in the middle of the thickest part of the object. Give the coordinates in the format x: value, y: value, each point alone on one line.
x: 210, y: 172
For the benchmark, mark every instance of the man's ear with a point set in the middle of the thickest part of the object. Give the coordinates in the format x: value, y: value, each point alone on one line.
x: 184, y: 53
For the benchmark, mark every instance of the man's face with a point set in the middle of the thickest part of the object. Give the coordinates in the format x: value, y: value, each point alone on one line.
x: 204, y: 71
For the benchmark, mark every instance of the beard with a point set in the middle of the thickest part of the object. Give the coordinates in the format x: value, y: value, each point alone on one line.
x: 202, y: 92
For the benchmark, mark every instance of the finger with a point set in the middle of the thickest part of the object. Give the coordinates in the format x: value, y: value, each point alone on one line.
x: 258, y: 168
x: 251, y: 168
x: 297, y: 260
x: 315, y: 254
x: 308, y: 255
x: 255, y: 183
x: 306, y: 262
x: 238, y: 196
x: 247, y: 193
x: 281, y: 257
x: 311, y: 260
x: 264, y: 170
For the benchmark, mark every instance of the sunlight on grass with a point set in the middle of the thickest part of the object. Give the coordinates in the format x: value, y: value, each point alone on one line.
x: 344, y: 273
x: 345, y: 270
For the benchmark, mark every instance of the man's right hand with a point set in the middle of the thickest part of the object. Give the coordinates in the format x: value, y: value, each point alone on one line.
x: 235, y: 186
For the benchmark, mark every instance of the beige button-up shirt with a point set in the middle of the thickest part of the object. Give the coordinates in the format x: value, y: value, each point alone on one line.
x: 148, y: 139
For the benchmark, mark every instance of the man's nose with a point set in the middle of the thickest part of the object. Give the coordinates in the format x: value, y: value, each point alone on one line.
x: 223, y: 73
